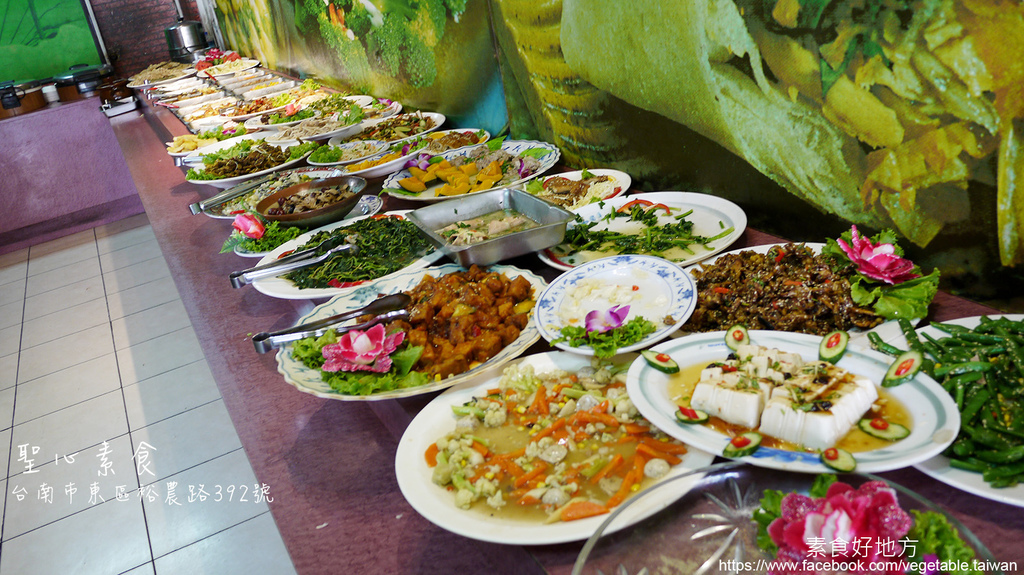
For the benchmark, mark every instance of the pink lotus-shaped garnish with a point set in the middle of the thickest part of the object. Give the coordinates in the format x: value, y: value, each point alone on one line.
x: 249, y: 225
x: 860, y: 526
x: 878, y: 262
x: 368, y: 350
x: 292, y: 109
x: 604, y: 321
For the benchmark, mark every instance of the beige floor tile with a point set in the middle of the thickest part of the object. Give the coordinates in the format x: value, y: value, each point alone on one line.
x: 55, y: 260
x: 142, y: 297
x: 188, y: 439
x: 65, y: 322
x: 65, y: 352
x: 169, y: 394
x: 62, y: 277
x: 13, y: 291
x: 8, y: 370
x: 158, y: 355
x: 149, y: 323
x: 135, y: 275
x: 123, y: 239
x: 67, y: 243
x: 130, y: 255
x: 66, y: 387
x: 254, y: 546
x: 52, y: 301
x: 75, y: 428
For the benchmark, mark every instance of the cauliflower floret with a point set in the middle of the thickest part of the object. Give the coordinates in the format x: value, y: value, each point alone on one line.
x: 555, y: 496
x: 656, y: 468
x: 494, y: 417
x: 624, y: 408
x: 466, y: 423
x: 442, y: 475
x: 496, y: 501
x: 464, y: 498
x: 587, y: 402
x: 615, y: 393
x: 486, y: 487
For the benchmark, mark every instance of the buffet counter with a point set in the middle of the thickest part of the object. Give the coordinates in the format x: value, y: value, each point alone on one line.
x: 330, y: 464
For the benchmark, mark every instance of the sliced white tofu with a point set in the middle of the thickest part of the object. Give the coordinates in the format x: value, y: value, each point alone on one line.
x: 816, y: 411
x: 739, y: 406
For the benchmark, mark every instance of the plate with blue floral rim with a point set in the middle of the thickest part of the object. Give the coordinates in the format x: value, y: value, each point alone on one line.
x: 309, y: 381
x: 652, y: 287
x: 934, y: 417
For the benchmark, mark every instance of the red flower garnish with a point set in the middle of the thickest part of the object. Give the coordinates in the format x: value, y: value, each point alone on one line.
x: 249, y: 225
x: 878, y: 262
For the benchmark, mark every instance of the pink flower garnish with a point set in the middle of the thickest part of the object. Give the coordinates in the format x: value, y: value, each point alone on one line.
x: 878, y: 262
x: 604, y: 321
x: 249, y: 225
x: 368, y: 350
x: 291, y: 109
x: 860, y: 526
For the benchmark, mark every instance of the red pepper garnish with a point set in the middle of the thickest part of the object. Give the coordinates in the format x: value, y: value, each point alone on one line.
x: 833, y: 341
x: 904, y: 367
x: 662, y: 357
x: 729, y: 368
x: 740, y: 441
x: 688, y: 412
x: 879, y: 423
x: 792, y: 283
x: 831, y: 454
x: 285, y: 253
x: 721, y: 290
x: 637, y: 202
x: 636, y: 288
x: 667, y: 209
x: 779, y: 256
x: 340, y: 284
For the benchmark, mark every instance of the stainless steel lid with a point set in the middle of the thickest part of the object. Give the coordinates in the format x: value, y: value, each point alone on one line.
x: 185, y: 36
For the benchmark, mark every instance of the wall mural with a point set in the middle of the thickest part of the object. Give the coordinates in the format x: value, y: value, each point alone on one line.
x: 43, y: 38
x: 812, y: 114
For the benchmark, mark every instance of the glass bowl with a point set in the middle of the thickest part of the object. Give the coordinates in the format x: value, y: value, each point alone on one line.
x: 704, y: 525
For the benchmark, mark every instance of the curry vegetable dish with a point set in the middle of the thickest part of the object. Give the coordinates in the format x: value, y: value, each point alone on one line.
x: 881, y: 111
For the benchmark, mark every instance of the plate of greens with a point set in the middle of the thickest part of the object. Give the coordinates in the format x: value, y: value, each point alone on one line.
x: 615, y: 305
x: 245, y: 160
x: 388, y: 243
x: 682, y: 227
x: 300, y: 362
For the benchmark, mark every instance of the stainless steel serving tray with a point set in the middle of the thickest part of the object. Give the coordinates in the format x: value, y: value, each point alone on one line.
x: 551, y: 231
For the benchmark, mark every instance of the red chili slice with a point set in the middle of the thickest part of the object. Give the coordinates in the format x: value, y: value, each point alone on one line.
x: 879, y: 423
x: 721, y: 290
x: 834, y: 340
x: 904, y: 367
x: 688, y: 412
x: 779, y: 256
x: 740, y: 441
x: 637, y: 202
x: 831, y: 454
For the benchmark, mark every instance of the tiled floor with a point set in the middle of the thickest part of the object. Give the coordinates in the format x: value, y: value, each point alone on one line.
x: 118, y: 454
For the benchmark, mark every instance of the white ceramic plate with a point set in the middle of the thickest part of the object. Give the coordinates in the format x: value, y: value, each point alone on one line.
x: 366, y: 206
x: 437, y: 504
x: 934, y: 415
x: 657, y: 288
x: 938, y: 467
x: 512, y: 147
x: 256, y: 122
x: 711, y: 216
x: 282, y: 288
x: 229, y: 182
x: 184, y: 74
x: 309, y: 381
x: 243, y: 117
x: 342, y: 132
x: 392, y: 166
x: 195, y: 157
x: 436, y: 117
x: 228, y: 68
x: 373, y: 147
x: 888, y: 330
x: 620, y: 183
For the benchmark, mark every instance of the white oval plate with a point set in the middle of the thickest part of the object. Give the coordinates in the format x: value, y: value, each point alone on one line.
x: 228, y: 68
x: 436, y: 117
x: 936, y: 420
x: 225, y: 183
x: 513, y: 147
x: 366, y: 206
x: 938, y: 467
x: 309, y: 381
x: 195, y: 157
x: 184, y: 74
x: 375, y: 145
x: 256, y: 122
x: 437, y: 504
x: 664, y: 288
x: 282, y: 288
x: 711, y: 215
x: 620, y: 183
x: 396, y: 164
x: 243, y: 117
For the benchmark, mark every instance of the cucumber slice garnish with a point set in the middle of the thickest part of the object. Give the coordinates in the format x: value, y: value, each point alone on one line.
x: 838, y: 459
x: 691, y: 415
x: 660, y: 361
x: 904, y: 367
x: 742, y: 445
x: 883, y: 429
x: 833, y: 346
x: 736, y: 336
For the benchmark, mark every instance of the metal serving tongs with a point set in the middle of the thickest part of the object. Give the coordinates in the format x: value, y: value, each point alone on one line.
x: 335, y: 245
x: 388, y: 308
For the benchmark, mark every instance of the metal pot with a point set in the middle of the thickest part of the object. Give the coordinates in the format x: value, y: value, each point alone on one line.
x: 20, y: 99
x: 184, y: 38
x: 81, y: 81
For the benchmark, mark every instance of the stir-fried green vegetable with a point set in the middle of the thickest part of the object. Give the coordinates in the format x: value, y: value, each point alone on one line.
x: 652, y: 239
x: 983, y: 370
x: 607, y: 343
x: 385, y: 245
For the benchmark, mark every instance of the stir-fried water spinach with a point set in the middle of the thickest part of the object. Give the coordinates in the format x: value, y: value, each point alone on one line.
x: 386, y: 244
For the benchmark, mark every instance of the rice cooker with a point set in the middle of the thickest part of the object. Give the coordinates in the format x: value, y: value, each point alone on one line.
x: 81, y: 81
x: 184, y: 39
x: 19, y: 99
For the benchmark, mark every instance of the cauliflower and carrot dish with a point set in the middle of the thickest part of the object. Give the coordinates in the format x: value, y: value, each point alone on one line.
x: 550, y: 447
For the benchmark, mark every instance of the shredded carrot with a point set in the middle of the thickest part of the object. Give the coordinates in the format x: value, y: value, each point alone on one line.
x: 592, y: 417
x: 603, y: 407
x: 664, y: 446
x: 431, y: 455
x: 480, y: 448
x: 528, y: 500
x: 636, y: 428
x: 607, y: 469
x: 495, y: 391
x: 582, y: 510
x: 648, y: 450
x: 539, y: 468
x: 509, y: 466
x: 540, y: 401
x: 555, y: 426
x: 627, y: 439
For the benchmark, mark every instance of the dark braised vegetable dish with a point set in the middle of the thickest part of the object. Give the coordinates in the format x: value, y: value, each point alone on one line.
x: 789, y: 288
x: 309, y: 200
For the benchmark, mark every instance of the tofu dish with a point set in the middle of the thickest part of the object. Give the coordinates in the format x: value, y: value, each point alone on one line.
x: 793, y: 404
